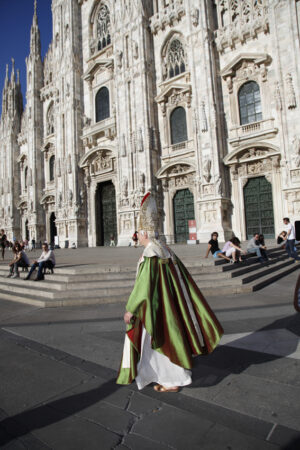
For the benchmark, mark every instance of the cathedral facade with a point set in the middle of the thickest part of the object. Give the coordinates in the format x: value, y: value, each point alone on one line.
x: 196, y: 101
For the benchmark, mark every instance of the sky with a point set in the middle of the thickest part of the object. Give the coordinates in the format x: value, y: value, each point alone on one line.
x: 15, y: 23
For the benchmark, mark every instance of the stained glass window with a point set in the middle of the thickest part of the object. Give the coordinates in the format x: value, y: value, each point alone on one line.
x: 102, y: 104
x: 178, y: 125
x: 250, y: 103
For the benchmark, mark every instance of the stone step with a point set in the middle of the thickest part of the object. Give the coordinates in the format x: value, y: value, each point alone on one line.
x: 264, y: 281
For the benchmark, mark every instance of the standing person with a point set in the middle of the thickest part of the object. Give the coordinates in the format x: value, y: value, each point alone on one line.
x: 112, y: 241
x: 20, y: 260
x: 46, y: 260
x: 255, y: 246
x: 135, y: 238
x: 3, y: 240
x: 213, y: 247
x: 32, y: 244
x: 168, y: 319
x: 290, y: 240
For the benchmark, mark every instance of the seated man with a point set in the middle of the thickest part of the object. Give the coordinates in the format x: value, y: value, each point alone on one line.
x: 20, y: 260
x: 47, y: 259
x: 254, y: 246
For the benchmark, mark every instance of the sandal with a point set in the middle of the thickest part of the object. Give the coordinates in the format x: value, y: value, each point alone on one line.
x: 160, y: 388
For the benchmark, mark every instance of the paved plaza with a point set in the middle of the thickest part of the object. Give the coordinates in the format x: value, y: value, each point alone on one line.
x: 58, y: 368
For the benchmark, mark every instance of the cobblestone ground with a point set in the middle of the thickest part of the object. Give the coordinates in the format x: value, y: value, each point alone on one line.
x: 58, y: 369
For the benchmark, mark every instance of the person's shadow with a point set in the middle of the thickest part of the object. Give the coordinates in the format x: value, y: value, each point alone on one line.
x: 259, y: 347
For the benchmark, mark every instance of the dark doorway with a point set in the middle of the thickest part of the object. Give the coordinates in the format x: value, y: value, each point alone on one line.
x: 183, y: 204
x: 258, y: 202
x: 26, y: 230
x: 106, y: 216
x: 53, y: 230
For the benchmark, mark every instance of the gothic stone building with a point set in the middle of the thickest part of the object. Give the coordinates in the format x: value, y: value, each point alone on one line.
x: 195, y: 100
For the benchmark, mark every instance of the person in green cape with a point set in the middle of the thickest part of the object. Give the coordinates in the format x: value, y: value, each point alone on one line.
x: 168, y: 320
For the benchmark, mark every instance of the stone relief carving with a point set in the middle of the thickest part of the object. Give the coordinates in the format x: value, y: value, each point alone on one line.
x: 296, y: 151
x: 254, y: 152
x: 167, y: 15
x: 102, y: 162
x: 290, y: 92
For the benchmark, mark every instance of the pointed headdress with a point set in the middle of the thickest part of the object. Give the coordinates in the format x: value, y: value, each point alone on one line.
x: 148, y: 220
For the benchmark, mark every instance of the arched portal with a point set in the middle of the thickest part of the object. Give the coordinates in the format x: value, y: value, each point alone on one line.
x: 183, y: 207
x: 258, y: 201
x: 53, y: 230
x: 106, y: 216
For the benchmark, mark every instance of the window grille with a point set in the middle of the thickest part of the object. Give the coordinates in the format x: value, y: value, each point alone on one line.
x: 102, y: 104
x: 250, y: 103
x: 178, y: 125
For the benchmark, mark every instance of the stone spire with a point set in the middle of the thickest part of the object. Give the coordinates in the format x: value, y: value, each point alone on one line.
x: 35, y: 40
x: 6, y: 78
x: 12, y: 76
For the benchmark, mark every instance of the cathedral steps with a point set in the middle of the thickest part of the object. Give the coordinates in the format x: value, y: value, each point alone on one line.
x: 96, y: 284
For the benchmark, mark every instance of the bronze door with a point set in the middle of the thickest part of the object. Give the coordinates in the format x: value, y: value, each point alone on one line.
x: 106, y: 213
x: 258, y: 201
x: 183, y: 204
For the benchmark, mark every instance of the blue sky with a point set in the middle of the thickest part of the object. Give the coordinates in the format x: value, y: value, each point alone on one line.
x: 15, y: 22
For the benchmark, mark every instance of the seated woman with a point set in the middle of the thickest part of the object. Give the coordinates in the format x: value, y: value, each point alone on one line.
x: 232, y: 249
x: 213, y: 247
x: 281, y: 238
x: 20, y: 260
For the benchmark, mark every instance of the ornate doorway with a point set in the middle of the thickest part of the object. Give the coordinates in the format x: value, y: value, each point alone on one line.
x: 106, y: 217
x: 183, y: 206
x: 258, y: 201
x: 53, y: 229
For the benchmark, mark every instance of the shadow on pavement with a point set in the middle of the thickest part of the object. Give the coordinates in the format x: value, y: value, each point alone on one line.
x: 235, y: 357
x: 27, y: 421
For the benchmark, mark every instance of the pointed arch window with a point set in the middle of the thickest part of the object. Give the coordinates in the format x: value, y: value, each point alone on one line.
x: 50, y: 120
x: 51, y: 168
x: 249, y: 103
x: 178, y: 125
x: 176, y: 61
x: 103, y: 27
x: 102, y: 104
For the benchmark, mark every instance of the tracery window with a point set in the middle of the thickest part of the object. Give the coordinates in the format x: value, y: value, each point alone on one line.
x: 178, y: 125
x: 249, y: 103
x: 51, y: 168
x: 175, y: 59
x: 102, y: 104
x: 50, y: 120
x: 103, y: 27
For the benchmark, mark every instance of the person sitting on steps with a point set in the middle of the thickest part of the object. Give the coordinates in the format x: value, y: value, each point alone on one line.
x: 46, y: 260
x: 213, y: 247
x: 20, y: 260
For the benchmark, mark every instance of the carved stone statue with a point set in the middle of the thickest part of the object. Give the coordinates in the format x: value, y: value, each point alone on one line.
x: 296, y: 151
x: 206, y: 170
x: 119, y: 58
x: 125, y: 186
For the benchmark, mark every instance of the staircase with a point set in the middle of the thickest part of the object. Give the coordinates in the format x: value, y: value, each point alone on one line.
x: 96, y: 284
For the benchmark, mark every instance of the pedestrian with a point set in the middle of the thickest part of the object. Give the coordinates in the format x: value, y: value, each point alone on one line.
x: 213, y: 247
x: 233, y: 250
x: 135, y: 238
x: 168, y: 319
x: 46, y: 260
x: 256, y: 246
x: 290, y: 240
x: 3, y: 240
x: 20, y: 260
x: 112, y: 241
x: 32, y: 244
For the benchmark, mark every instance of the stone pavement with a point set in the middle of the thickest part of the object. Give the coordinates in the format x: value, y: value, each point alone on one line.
x: 58, y: 369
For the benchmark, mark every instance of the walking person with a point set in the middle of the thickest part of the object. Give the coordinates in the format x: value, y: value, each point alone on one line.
x: 290, y: 240
x: 3, y: 240
x: 168, y: 319
x: 46, y: 260
x: 20, y: 260
x: 135, y: 239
